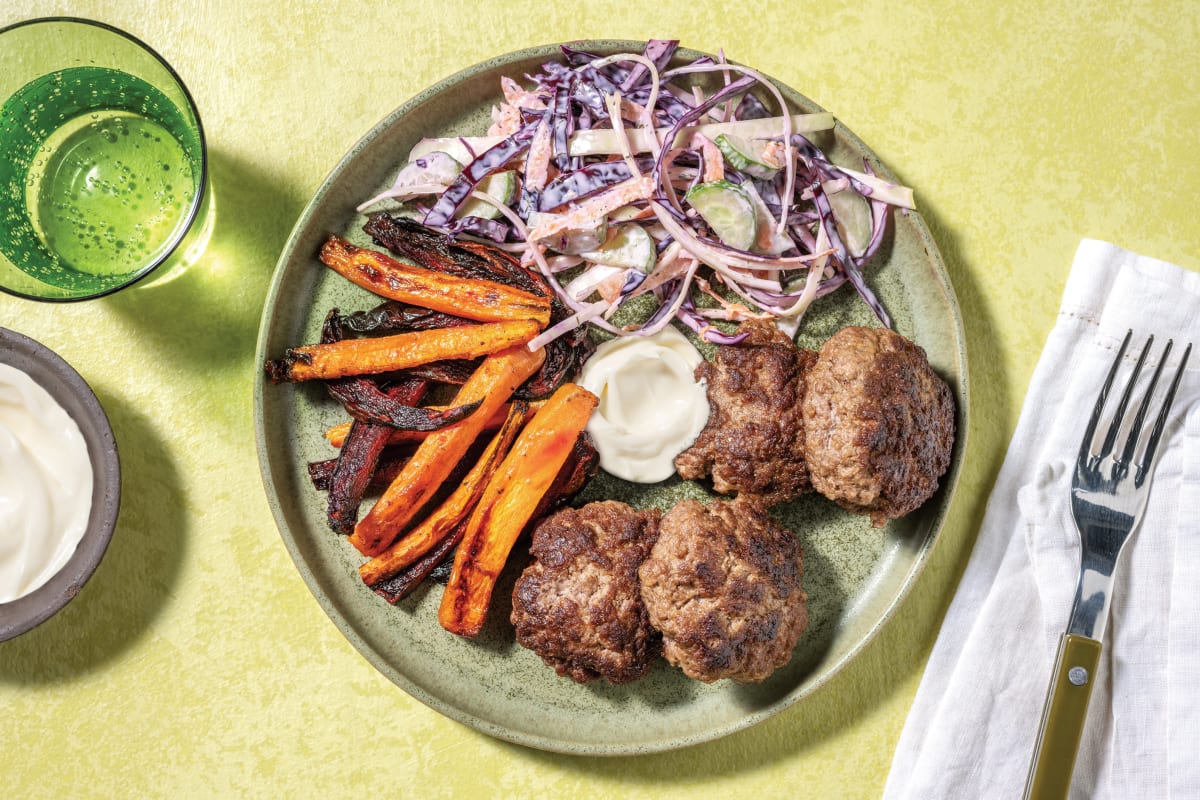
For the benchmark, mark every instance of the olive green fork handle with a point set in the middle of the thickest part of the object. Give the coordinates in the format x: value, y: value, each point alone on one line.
x: 1063, y: 717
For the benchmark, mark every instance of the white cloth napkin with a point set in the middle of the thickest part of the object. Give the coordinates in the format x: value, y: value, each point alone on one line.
x: 973, y: 724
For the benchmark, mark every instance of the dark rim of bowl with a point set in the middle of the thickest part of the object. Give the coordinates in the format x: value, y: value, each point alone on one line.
x: 71, y: 391
x: 205, y: 189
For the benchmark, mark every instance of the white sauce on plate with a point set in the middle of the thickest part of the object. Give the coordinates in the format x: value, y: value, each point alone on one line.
x: 651, y: 406
x: 45, y: 485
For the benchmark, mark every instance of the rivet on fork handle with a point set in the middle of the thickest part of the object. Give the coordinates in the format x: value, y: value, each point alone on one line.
x: 1062, y: 718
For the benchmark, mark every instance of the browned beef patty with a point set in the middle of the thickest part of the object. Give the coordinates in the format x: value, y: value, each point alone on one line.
x: 578, y: 605
x: 753, y: 443
x: 723, y: 585
x: 878, y: 423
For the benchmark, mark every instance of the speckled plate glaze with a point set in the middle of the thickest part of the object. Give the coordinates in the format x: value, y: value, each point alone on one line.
x: 855, y: 576
x: 71, y: 391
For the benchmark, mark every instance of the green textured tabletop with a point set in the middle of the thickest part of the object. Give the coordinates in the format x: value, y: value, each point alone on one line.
x: 197, y: 664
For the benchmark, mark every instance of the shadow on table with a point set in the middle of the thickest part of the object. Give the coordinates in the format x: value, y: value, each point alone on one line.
x: 902, y: 645
x: 206, y: 315
x: 204, y: 319
x: 134, y: 580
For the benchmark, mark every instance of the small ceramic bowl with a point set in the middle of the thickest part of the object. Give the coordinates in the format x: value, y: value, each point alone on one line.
x: 65, y: 385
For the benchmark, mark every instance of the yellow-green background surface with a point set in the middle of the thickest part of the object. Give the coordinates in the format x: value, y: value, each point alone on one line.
x: 197, y: 664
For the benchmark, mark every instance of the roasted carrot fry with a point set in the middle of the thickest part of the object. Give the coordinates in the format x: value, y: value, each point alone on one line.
x: 492, y: 385
x: 508, y: 503
x: 580, y: 467
x: 398, y: 351
x: 482, y: 300
x: 439, y: 524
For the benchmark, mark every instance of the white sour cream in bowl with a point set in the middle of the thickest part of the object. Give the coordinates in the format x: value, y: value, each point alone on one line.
x: 45, y: 485
x: 651, y: 406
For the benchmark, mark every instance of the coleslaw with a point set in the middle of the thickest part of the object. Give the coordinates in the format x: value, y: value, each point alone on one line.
x: 617, y: 179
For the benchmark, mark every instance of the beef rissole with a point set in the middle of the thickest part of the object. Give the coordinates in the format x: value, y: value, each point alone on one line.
x: 723, y: 585
x: 578, y: 605
x: 878, y: 423
x: 753, y: 443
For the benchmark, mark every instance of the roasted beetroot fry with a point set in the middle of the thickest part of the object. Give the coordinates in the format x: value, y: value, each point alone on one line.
x: 434, y: 251
x: 439, y: 523
x: 366, y: 402
x: 455, y: 372
x: 507, y: 505
x: 337, y: 434
x: 394, y: 317
x: 386, y: 469
x: 352, y: 474
x: 482, y: 300
x: 492, y: 384
x: 398, y: 351
x: 402, y: 584
x: 357, y: 460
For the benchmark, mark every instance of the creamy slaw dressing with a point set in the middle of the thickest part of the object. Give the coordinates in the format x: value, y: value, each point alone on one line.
x: 651, y: 407
x: 45, y: 485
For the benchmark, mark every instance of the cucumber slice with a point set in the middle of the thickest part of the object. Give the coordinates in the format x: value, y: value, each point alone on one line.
x: 728, y: 211
x: 852, y: 217
x: 746, y: 156
x: 435, y: 167
x: 502, y: 186
x: 626, y: 246
x: 768, y: 239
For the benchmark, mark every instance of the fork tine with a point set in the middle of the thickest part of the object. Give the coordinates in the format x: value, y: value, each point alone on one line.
x: 1135, y: 430
x: 1110, y: 437
x: 1147, y: 462
x: 1085, y: 447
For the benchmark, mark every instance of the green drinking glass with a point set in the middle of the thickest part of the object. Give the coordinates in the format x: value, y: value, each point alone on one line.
x: 103, y: 166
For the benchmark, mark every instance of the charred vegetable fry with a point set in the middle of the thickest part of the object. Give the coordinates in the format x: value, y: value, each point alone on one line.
x: 398, y: 351
x: 402, y: 584
x: 432, y: 250
x: 394, y: 317
x: 386, y: 470
x: 439, y: 524
x: 352, y: 474
x: 582, y: 464
x: 482, y: 300
x: 359, y: 456
x: 364, y: 400
x: 564, y: 356
x: 337, y: 434
x: 492, y: 385
x: 508, y: 503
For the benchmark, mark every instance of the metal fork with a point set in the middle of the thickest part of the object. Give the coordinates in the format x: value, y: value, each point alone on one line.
x: 1108, y: 496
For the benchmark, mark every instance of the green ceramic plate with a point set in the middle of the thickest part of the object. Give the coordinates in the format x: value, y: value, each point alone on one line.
x: 854, y: 575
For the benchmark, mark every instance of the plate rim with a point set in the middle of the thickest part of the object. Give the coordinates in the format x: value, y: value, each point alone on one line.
x: 948, y: 484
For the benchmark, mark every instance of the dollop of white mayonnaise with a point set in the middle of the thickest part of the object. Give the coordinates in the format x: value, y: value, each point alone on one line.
x: 651, y: 407
x: 45, y: 485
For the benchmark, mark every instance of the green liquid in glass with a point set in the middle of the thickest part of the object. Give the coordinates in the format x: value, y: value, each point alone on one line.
x: 113, y: 194
x: 97, y: 179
